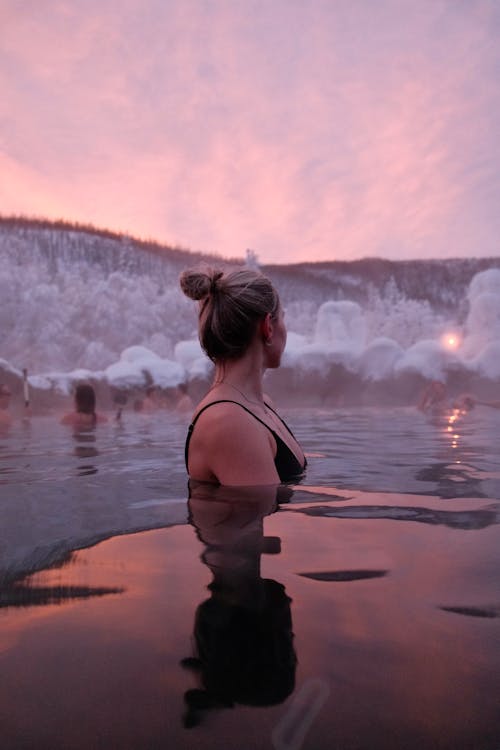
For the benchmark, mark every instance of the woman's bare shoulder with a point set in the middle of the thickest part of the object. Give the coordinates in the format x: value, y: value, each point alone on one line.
x: 218, y: 414
x: 235, y: 446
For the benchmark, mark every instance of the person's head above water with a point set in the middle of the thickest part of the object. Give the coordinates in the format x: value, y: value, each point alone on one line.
x: 231, y: 307
x: 236, y: 437
x: 85, y: 399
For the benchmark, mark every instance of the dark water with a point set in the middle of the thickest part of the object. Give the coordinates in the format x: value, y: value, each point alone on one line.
x: 363, y: 611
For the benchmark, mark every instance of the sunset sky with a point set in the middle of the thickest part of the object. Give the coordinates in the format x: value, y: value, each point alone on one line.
x: 303, y: 129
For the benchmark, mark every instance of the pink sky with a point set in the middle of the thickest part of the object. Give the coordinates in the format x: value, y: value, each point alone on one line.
x: 303, y: 129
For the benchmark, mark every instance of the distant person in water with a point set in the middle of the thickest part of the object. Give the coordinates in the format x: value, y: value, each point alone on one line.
x: 151, y: 401
x: 5, y: 394
x: 468, y: 402
x: 236, y: 437
x: 85, y: 415
x: 434, y: 399
x: 183, y: 402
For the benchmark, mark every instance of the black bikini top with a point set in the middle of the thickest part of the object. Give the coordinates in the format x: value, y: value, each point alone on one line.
x: 286, y: 463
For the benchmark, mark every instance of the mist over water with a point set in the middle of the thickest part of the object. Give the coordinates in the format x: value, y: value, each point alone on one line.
x: 83, y: 305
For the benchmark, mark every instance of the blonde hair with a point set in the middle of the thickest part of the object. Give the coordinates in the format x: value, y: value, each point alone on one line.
x: 231, y: 305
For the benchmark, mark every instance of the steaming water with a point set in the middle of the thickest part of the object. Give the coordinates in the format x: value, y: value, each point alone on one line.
x: 78, y: 305
x: 389, y: 551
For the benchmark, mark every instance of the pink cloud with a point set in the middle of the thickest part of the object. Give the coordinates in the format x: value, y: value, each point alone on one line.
x: 311, y: 132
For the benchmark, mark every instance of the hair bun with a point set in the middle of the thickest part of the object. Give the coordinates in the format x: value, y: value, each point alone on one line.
x: 198, y: 283
x: 214, y: 286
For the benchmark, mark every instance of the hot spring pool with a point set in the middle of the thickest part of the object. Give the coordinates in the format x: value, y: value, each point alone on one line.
x: 363, y: 612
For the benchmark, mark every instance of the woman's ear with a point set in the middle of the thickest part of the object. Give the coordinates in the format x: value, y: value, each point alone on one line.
x: 266, y: 327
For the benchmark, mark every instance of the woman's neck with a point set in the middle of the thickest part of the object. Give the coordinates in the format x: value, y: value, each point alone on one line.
x: 242, y: 374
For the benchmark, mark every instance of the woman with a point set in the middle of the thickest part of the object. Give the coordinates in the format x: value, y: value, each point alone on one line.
x: 85, y: 415
x: 236, y: 437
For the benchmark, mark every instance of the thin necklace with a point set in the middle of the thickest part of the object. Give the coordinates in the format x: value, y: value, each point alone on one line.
x: 268, y: 412
x: 277, y: 426
x: 250, y: 401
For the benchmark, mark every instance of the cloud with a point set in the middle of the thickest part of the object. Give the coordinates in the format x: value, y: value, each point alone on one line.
x: 313, y: 131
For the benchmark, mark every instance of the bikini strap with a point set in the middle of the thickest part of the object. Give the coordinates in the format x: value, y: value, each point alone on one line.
x: 228, y: 401
x: 220, y: 401
x: 281, y: 420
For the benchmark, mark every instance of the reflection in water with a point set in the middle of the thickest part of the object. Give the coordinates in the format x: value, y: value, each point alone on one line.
x: 454, y: 519
x: 474, y: 611
x: 453, y: 480
x: 24, y: 595
x: 87, y: 450
x: 342, y: 576
x: 20, y: 591
x: 454, y: 476
x: 243, y: 632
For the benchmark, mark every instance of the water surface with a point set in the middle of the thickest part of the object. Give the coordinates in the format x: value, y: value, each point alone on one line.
x: 363, y: 612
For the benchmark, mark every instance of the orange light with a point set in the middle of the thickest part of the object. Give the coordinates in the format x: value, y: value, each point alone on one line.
x: 450, y: 341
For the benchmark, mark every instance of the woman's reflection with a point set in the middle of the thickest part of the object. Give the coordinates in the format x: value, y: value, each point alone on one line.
x: 243, y: 637
x: 85, y: 448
